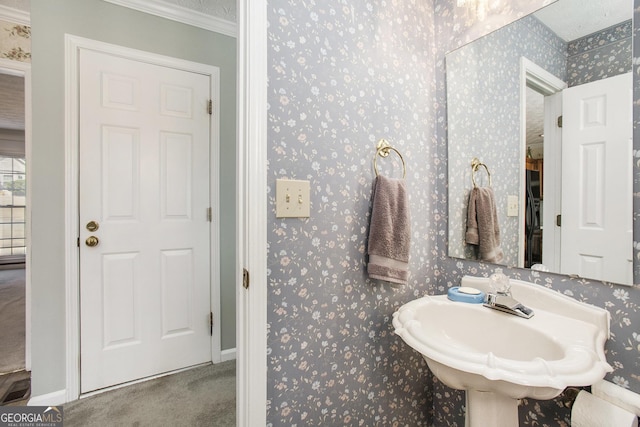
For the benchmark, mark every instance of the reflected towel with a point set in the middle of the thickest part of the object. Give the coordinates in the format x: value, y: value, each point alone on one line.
x: 482, y: 224
x: 389, y: 232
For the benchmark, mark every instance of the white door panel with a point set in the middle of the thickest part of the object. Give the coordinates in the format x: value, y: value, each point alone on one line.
x: 597, y: 236
x: 144, y: 177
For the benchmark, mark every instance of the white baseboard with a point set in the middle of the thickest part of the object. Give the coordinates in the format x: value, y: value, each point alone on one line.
x: 50, y: 399
x: 229, y: 354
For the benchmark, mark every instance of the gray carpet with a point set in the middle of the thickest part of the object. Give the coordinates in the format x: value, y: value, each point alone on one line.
x: 12, y: 300
x: 203, y: 396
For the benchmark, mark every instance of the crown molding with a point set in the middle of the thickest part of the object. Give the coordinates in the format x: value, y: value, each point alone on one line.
x: 181, y: 14
x: 15, y: 15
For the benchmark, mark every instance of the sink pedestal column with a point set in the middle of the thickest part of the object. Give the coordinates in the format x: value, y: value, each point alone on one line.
x: 490, y: 409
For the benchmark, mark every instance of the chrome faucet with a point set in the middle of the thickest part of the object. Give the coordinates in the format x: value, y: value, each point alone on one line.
x: 504, y: 302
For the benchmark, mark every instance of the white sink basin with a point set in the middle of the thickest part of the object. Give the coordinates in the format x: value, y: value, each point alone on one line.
x: 499, y: 357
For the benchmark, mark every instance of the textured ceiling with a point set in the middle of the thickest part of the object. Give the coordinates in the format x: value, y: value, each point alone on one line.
x: 572, y: 19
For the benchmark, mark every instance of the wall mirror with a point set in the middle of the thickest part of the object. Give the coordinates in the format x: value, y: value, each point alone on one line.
x: 545, y: 104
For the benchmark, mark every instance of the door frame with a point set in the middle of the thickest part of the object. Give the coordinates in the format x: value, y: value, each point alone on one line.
x: 251, y: 203
x: 73, y: 46
x: 23, y: 69
x: 542, y: 81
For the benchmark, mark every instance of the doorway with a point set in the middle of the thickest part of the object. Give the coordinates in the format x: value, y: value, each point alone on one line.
x: 541, y: 104
x: 14, y: 285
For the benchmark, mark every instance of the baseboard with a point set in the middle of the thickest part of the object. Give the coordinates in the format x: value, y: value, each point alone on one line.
x: 50, y: 399
x: 229, y: 354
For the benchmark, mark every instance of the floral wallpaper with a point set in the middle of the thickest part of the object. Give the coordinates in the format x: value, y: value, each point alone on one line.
x: 587, y: 59
x: 343, y: 75
x: 600, y: 55
x: 623, y: 348
x: 483, y: 100
x: 15, y: 41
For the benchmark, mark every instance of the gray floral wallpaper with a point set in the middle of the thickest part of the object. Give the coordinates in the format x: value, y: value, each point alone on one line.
x: 623, y: 349
x: 601, y: 55
x: 342, y: 75
x: 483, y: 101
x: 472, y: 84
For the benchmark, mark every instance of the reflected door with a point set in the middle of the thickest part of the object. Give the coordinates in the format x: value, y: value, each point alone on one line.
x: 144, y: 239
x: 597, y: 234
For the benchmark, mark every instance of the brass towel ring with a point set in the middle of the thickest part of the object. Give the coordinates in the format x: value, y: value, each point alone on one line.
x: 475, y: 164
x: 382, y: 150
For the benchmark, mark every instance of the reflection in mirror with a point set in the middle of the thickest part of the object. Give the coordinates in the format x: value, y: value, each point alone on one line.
x: 562, y: 187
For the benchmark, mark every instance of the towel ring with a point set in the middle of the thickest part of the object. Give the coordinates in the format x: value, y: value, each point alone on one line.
x: 382, y: 150
x: 475, y: 164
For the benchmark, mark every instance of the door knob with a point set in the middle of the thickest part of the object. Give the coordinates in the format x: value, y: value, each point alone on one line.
x: 92, y: 241
x: 92, y: 226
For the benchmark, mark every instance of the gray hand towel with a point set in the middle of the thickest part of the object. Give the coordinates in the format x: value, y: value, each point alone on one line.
x: 389, y: 232
x: 482, y: 224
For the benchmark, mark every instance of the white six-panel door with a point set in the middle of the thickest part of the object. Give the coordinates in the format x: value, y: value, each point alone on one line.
x: 144, y: 179
x: 597, y: 234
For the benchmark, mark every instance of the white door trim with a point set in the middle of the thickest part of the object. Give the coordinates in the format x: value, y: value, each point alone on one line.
x: 251, y: 231
x: 542, y: 81
x: 73, y: 45
x: 23, y: 69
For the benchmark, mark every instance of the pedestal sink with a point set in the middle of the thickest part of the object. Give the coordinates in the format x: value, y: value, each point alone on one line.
x: 499, y: 358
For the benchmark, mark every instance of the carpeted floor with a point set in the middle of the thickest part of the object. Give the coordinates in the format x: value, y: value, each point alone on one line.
x: 12, y: 318
x: 203, y: 396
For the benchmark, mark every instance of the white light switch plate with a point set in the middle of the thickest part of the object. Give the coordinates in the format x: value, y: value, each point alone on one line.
x: 512, y: 205
x: 292, y: 198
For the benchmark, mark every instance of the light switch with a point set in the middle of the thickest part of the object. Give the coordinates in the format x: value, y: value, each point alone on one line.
x: 292, y: 198
x: 512, y: 205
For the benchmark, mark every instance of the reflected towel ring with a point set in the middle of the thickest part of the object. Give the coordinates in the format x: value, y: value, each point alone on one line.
x: 382, y: 150
x: 475, y: 164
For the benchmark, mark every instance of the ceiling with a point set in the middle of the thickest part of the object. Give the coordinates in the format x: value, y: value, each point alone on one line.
x: 572, y: 19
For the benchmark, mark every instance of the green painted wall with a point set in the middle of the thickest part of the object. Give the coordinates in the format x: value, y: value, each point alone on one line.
x: 99, y: 20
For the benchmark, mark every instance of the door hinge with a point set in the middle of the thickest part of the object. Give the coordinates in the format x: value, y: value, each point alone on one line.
x: 211, y: 323
x: 210, y: 107
x: 209, y: 215
x: 245, y: 278
x: 559, y: 121
x: 78, y: 242
x: 559, y: 220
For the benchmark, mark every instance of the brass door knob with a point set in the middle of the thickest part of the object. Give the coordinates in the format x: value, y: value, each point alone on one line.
x: 92, y: 226
x: 92, y: 241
